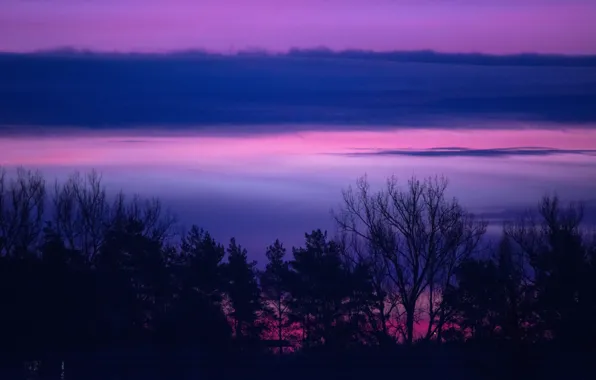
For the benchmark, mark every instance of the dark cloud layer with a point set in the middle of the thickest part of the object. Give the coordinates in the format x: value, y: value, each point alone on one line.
x: 301, y: 88
x: 429, y: 56
x: 466, y: 152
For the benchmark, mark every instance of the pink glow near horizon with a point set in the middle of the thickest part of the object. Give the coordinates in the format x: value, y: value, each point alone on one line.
x: 299, y: 148
x: 310, y: 164
x: 130, y: 149
x: 548, y: 26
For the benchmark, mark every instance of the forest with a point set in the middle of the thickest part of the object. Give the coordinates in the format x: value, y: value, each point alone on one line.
x: 101, y: 286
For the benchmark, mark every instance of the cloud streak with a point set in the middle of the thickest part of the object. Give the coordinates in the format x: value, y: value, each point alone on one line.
x: 467, y: 152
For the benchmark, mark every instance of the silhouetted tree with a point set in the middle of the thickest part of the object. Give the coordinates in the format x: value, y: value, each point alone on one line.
x: 324, y: 293
x: 559, y: 258
x: 513, y: 282
x: 274, y: 286
x: 362, y: 307
x: 489, y: 299
x: 81, y: 213
x: 130, y: 269
x: 22, y: 292
x: 202, y: 264
x: 381, y: 298
x: 22, y: 201
x: 421, y: 237
x: 193, y: 317
x: 68, y: 304
x: 243, y: 292
x: 476, y: 300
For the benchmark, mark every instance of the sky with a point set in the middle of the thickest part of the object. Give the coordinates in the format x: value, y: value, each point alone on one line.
x: 260, y: 146
x: 488, y: 26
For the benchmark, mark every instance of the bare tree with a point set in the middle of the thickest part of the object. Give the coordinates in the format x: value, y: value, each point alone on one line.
x: 80, y: 212
x: 149, y: 213
x: 22, y: 201
x: 418, y: 235
x: 83, y: 214
x: 531, y: 231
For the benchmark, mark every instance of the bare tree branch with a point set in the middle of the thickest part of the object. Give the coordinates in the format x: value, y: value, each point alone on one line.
x: 417, y: 235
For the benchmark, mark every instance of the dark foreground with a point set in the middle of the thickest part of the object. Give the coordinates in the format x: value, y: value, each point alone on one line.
x: 449, y: 361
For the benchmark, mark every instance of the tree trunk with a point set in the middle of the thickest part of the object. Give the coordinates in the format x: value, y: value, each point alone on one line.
x: 384, y: 330
x: 409, y: 325
x: 279, y: 333
x: 431, y: 312
x: 440, y: 326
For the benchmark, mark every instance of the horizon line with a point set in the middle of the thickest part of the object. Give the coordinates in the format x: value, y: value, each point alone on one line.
x: 322, y: 53
x: 320, y: 50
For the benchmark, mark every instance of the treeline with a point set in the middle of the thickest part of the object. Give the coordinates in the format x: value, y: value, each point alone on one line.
x: 86, y: 278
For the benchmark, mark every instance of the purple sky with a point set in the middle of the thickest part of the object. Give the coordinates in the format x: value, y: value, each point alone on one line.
x: 490, y: 26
